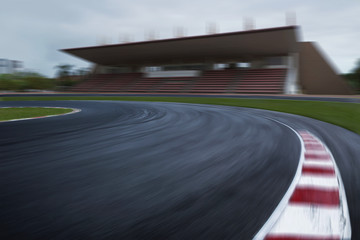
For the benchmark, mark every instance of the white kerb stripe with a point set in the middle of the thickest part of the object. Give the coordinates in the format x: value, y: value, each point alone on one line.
x: 318, y: 152
x: 309, y: 220
x: 324, y: 164
x: 321, y: 159
x: 316, y: 181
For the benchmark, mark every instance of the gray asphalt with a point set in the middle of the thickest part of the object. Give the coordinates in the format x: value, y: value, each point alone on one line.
x: 135, y: 170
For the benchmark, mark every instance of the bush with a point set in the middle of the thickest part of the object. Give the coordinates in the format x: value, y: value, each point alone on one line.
x: 39, y: 83
x: 6, y: 84
x: 20, y: 82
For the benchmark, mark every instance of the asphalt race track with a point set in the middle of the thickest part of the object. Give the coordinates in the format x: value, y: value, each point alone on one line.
x: 142, y: 170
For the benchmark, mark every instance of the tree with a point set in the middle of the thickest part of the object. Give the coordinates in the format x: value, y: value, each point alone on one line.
x: 64, y: 70
x: 356, y: 74
x: 357, y: 68
x: 82, y: 71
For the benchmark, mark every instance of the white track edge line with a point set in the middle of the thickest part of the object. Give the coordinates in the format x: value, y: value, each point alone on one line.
x: 74, y: 110
x: 266, y: 228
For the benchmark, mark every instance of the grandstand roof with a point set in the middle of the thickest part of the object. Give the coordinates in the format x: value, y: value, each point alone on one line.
x: 223, y: 47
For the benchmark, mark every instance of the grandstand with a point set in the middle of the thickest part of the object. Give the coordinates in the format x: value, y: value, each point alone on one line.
x: 263, y: 61
x: 269, y: 81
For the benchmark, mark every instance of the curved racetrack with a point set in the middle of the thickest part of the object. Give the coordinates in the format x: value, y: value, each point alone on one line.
x: 141, y: 170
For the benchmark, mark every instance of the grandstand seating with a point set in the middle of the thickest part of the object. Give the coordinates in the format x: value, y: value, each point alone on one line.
x: 215, y: 81
x: 119, y: 82
x: 267, y: 81
x: 247, y: 81
x: 145, y: 85
x: 175, y: 85
x: 90, y: 84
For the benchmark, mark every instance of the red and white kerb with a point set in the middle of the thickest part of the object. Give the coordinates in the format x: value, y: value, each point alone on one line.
x: 317, y: 208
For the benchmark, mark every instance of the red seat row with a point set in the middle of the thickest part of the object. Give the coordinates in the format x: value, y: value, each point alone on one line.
x: 270, y: 81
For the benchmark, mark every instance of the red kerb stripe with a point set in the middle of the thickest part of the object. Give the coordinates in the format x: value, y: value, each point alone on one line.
x: 316, y: 196
x: 313, y: 141
x: 306, y: 135
x: 305, y: 138
x: 317, y: 156
x: 318, y: 170
x: 312, y: 146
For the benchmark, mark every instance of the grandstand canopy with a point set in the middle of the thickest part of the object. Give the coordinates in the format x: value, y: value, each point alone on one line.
x: 223, y: 47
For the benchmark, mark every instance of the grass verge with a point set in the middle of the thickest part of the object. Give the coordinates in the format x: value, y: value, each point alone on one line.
x: 346, y: 115
x: 29, y: 112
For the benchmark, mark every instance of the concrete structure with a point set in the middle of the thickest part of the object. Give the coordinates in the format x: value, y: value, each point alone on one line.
x: 306, y: 69
x: 316, y: 74
x: 10, y: 66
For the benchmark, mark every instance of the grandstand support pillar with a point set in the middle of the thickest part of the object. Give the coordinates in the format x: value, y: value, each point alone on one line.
x: 93, y: 68
x: 291, y: 81
x: 212, y: 66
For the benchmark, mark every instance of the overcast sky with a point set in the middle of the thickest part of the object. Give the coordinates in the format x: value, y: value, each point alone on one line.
x: 33, y: 31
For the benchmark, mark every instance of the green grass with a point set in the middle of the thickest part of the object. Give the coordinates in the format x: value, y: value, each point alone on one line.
x: 346, y: 115
x: 29, y: 112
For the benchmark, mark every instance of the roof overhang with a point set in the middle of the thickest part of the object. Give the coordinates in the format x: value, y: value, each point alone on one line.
x: 224, y: 47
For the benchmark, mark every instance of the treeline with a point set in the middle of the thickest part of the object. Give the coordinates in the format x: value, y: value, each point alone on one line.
x: 66, y: 76
x: 353, y: 77
x: 25, y: 81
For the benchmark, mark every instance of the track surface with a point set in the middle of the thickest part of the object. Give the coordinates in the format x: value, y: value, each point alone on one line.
x: 129, y: 170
